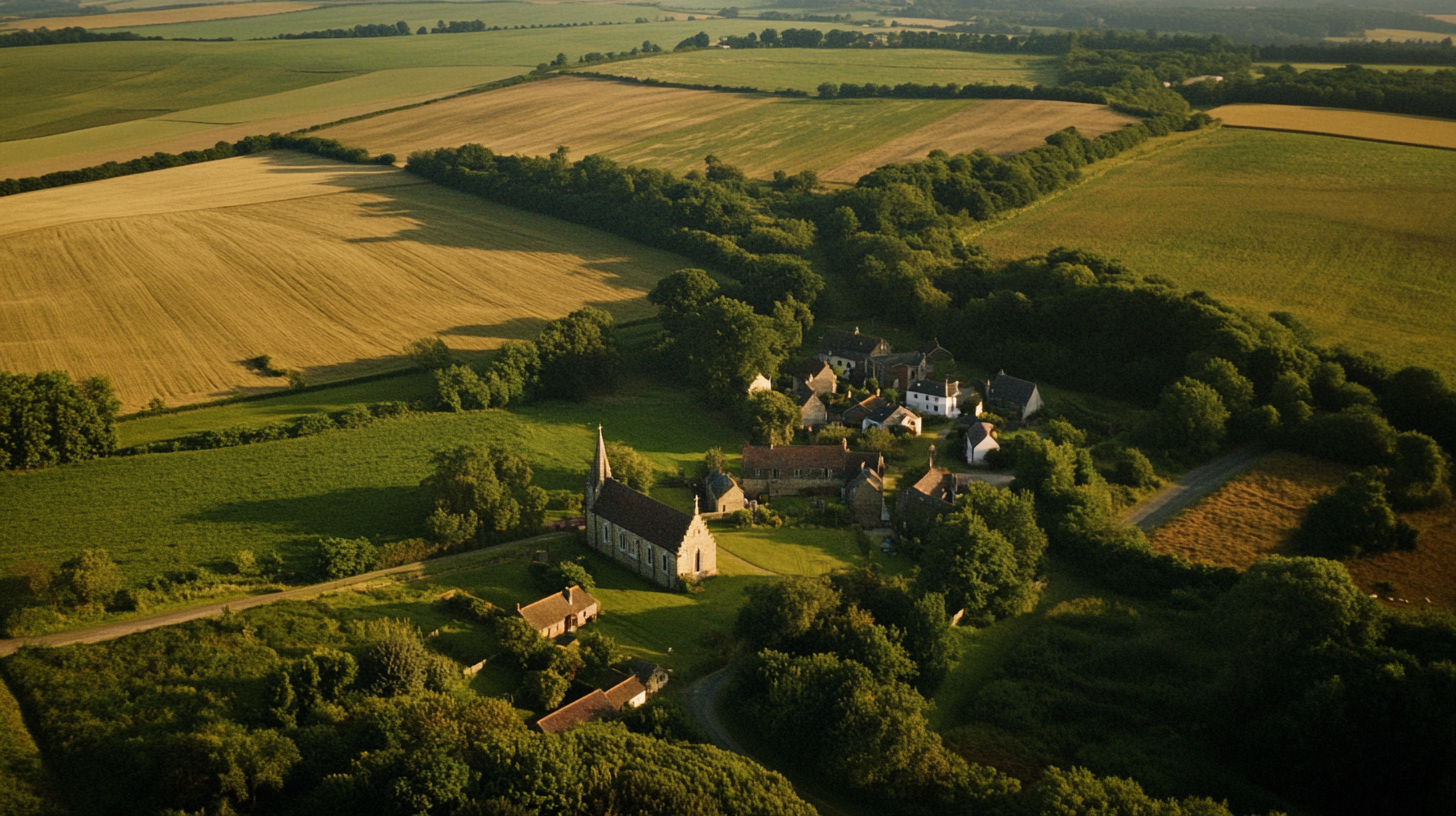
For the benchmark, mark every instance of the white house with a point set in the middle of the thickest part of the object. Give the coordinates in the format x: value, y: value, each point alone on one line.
x: 980, y: 440
x: 931, y: 397
x: 760, y: 383
x: 893, y: 416
x: 1011, y: 395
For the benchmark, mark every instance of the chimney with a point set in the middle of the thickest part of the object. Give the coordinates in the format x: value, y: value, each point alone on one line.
x: 566, y: 593
x: 844, y: 443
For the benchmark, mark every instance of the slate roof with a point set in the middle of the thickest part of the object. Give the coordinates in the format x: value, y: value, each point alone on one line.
x: 860, y: 461
x: 624, y: 691
x: 978, y: 431
x: 863, y: 408
x: 811, y: 368
x: 662, y: 525
x: 935, y: 350
x: 789, y: 457
x: 935, y: 388
x: 591, y: 707
x: 554, y: 608
x: 887, y: 412
x: 719, y: 483
x: 839, y: 340
x: 1006, y: 388
x: 909, y: 358
x: 803, y: 394
x: 866, y: 476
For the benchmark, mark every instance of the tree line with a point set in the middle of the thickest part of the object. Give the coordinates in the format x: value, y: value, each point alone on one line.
x: 1424, y: 93
x: 66, y: 36
x: 48, y: 419
x: 328, y: 148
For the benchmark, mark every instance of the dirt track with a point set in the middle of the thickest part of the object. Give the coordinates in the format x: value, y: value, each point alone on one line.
x: 1194, y: 485
x: 111, y: 631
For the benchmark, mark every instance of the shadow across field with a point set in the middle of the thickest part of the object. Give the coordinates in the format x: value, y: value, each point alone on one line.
x: 354, y: 512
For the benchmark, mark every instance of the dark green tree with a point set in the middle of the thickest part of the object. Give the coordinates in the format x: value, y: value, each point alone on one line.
x: 771, y: 417
x: 1191, y: 417
x: 578, y: 354
x: 631, y: 468
x: 92, y: 577
x: 1355, y: 519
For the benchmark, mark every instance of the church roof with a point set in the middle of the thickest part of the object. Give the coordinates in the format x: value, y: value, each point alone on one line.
x: 601, y: 468
x: 664, y: 526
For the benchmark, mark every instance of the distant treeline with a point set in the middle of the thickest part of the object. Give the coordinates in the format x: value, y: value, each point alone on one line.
x: 399, y: 29
x: 1423, y: 93
x: 328, y: 148
x: 64, y: 36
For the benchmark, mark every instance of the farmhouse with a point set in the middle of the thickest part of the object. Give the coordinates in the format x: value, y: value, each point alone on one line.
x: 561, y: 612
x: 760, y: 383
x: 657, y: 542
x: 850, y: 351
x: 980, y: 440
x: 931, y: 397
x: 594, y: 706
x: 816, y: 375
x: 1013, y: 396
x: 891, y: 416
x: 644, y: 680
x: 792, y: 470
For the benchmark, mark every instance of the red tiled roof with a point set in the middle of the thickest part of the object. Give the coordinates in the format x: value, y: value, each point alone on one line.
x: 591, y: 707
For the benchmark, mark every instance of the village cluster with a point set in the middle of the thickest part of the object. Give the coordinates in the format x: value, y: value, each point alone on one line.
x: 667, y: 546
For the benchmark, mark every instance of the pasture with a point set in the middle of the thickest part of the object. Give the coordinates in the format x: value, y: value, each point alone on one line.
x: 1376, y: 127
x: 1354, y: 238
x: 170, y: 280
x: 161, y: 512
x: 806, y: 69
x: 130, y: 20
x: 675, y: 128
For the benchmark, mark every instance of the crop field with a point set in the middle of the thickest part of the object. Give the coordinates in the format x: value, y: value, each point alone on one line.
x: 170, y: 280
x: 675, y: 128
x: 1396, y: 34
x: 806, y: 69
x: 168, y: 511
x: 136, y: 19
x: 71, y: 106
x: 1354, y: 238
x: 1378, y: 127
x: 1001, y: 126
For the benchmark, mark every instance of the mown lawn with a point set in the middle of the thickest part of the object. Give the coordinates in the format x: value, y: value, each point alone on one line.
x: 162, y: 512
x: 1353, y: 238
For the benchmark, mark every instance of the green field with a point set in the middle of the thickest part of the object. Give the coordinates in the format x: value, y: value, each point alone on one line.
x: 1354, y: 238
x: 805, y: 69
x: 160, y: 512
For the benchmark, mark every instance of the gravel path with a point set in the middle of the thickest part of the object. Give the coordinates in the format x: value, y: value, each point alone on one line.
x: 1194, y: 485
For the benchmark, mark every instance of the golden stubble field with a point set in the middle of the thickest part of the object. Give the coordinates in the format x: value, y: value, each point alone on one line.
x: 1377, y: 127
x: 675, y: 128
x: 1255, y: 514
x: 168, y: 281
x: 129, y: 19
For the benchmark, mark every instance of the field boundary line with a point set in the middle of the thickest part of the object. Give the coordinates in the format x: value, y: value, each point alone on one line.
x: 1338, y: 136
x: 111, y: 631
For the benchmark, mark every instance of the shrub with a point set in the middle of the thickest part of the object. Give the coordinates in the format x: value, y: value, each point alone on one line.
x: 311, y: 425
x: 1355, y: 519
x: 429, y: 353
x: 543, y: 690
x: 342, y: 557
x: 408, y: 551
x: 1133, y: 469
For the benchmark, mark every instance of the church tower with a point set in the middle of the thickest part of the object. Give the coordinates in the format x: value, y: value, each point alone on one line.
x: 601, y: 471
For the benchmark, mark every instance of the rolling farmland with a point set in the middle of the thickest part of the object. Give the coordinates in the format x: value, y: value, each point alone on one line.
x: 328, y: 268
x: 675, y: 128
x: 805, y: 69
x: 1377, y: 127
x: 137, y: 19
x: 1351, y: 237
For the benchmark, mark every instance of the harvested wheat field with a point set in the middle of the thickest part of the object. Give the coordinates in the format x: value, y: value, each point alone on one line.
x: 135, y: 19
x: 1395, y: 128
x: 590, y: 116
x: 1001, y: 126
x: 1251, y: 516
x: 168, y: 281
x: 1409, y: 578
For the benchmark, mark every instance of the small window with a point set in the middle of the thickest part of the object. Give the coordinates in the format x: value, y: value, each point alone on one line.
x: 606, y: 535
x: 665, y: 566
x: 622, y: 540
x: 699, y: 562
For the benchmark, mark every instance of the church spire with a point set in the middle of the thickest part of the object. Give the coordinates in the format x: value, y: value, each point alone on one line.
x: 601, y: 468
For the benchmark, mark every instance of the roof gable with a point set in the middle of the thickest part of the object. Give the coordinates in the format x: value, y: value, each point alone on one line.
x: 1006, y: 388
x: 554, y: 608
x: 591, y: 707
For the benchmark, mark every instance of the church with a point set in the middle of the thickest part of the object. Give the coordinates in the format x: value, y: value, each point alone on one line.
x: 643, y: 535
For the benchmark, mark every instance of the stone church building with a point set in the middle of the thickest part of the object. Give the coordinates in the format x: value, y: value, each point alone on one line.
x: 643, y: 535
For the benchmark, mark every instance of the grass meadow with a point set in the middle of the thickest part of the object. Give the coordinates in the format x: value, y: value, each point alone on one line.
x: 161, y: 512
x: 773, y: 69
x: 133, y: 20
x: 330, y: 269
x: 1354, y: 238
x: 1255, y: 515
